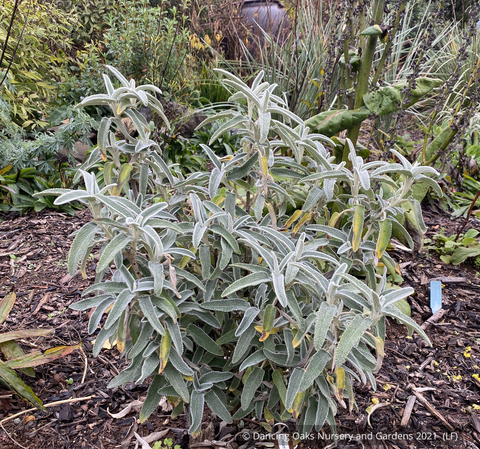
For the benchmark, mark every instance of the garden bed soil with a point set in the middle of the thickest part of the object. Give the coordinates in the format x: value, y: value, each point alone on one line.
x: 33, y: 252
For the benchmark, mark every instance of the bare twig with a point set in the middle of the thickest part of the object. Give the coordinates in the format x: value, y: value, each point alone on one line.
x: 52, y: 404
x: 408, y: 411
x: 433, y: 411
x: 437, y: 316
x: 8, y: 435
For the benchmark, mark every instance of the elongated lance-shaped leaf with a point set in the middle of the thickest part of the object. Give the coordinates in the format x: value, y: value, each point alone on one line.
x: 248, y: 281
x: 218, y: 407
x: 177, y: 382
x: 394, y: 312
x: 38, y: 358
x: 203, y: 340
x: 153, y: 398
x: 293, y: 387
x: 165, y: 346
x: 252, y: 383
x: 384, y: 235
x: 227, y: 236
x: 243, y: 344
x: 16, y: 335
x: 350, y: 337
x: 117, y: 244
x: 226, y: 305
x: 158, y: 278
x: 324, y: 319
x: 315, y: 367
x: 15, y: 383
x: 197, y: 402
x: 120, y: 304
x: 148, y: 310
x: 248, y: 318
x: 6, y: 305
x: 358, y: 219
x: 253, y: 359
x: 80, y: 245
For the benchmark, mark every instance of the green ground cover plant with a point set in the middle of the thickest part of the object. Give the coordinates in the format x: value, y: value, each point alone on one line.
x: 258, y: 286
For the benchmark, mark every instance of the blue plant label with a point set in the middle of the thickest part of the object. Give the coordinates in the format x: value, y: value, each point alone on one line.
x: 435, y: 296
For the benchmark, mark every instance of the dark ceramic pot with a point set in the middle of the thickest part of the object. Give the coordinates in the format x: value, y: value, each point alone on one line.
x: 267, y: 15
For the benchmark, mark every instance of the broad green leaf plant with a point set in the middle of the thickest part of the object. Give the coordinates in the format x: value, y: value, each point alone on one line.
x: 259, y: 287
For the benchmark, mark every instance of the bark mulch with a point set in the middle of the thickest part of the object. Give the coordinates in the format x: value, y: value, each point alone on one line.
x: 425, y: 397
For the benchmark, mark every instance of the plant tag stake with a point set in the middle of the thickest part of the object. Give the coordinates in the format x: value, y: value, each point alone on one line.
x: 435, y: 296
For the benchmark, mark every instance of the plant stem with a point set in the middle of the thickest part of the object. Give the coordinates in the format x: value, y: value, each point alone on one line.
x: 363, y: 75
x: 389, y: 43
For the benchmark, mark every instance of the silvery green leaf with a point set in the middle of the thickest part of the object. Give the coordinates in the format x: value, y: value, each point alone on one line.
x: 198, y: 232
x: 235, y: 122
x: 315, y: 367
x: 166, y: 305
x: 248, y: 318
x: 117, y: 244
x: 118, y: 75
x: 122, y: 206
x: 120, y: 304
x: 177, y: 382
x: 197, y: 401
x: 288, y: 337
x: 97, y: 314
x: 80, y: 245
x: 243, y: 344
x: 229, y: 238
x: 215, y: 180
x: 394, y: 312
x: 226, y: 305
x: 350, y: 337
x: 284, y: 113
x: 190, y: 277
x: 293, y: 387
x: 317, y: 276
x: 253, y: 359
x: 218, y: 407
x: 158, y: 245
x: 362, y: 287
x: 334, y: 174
x: 176, y: 360
x: 73, y: 195
x: 310, y: 416
x: 204, y: 254
x: 320, y: 256
x: 148, y: 310
x: 198, y: 208
x: 323, y: 409
x: 392, y: 297
x: 215, y: 377
x: 252, y: 383
x: 250, y: 280
x: 279, y: 288
x: 153, y: 398
x: 364, y: 179
x: 324, y: 319
x: 212, y: 156
x: 332, y: 232
x: 203, y: 340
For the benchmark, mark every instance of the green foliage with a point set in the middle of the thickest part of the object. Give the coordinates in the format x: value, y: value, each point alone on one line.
x: 15, y: 358
x: 453, y: 250
x: 167, y: 444
x: 257, y: 286
x: 148, y: 44
x: 40, y: 59
x: 91, y: 16
x: 30, y: 163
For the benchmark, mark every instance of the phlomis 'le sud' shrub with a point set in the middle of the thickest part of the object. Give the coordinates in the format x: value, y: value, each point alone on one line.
x: 258, y: 287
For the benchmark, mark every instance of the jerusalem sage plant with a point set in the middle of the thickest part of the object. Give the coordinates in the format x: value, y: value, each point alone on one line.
x: 256, y: 287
